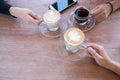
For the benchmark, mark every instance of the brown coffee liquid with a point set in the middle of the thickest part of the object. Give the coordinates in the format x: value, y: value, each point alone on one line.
x: 81, y: 12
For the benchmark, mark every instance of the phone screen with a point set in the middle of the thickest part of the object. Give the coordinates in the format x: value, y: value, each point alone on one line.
x: 61, y: 5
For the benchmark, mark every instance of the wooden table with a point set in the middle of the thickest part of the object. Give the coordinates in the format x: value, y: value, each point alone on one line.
x: 25, y: 54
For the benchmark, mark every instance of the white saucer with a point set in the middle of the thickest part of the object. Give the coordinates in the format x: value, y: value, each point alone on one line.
x: 52, y: 34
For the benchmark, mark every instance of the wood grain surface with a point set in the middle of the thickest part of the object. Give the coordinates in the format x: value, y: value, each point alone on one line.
x: 25, y: 54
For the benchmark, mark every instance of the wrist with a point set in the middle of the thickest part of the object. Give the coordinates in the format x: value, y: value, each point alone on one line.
x: 116, y: 4
x: 13, y: 11
x: 110, y: 7
x: 108, y: 64
x: 112, y: 65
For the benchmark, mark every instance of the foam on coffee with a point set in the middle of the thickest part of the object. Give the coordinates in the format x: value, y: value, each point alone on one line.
x: 74, y: 36
x: 51, y: 16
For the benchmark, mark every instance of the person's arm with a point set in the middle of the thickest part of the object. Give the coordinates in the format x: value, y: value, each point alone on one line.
x: 26, y: 14
x: 23, y: 13
x: 101, y: 12
x: 100, y: 55
x: 4, y: 7
x: 115, y: 4
x: 115, y: 67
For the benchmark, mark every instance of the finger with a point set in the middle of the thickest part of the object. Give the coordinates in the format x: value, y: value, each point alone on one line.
x: 100, y: 17
x: 96, y: 10
x: 89, y: 54
x: 98, y: 48
x: 93, y: 53
x: 33, y: 21
x: 36, y: 17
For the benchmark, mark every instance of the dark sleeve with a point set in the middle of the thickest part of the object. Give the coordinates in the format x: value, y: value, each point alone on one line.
x: 4, y: 7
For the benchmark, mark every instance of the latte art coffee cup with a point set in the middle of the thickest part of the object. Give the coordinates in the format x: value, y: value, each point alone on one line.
x: 52, y: 19
x: 73, y: 38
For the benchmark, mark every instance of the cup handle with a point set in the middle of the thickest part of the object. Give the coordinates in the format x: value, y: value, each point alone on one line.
x: 84, y: 44
x: 43, y: 23
x: 83, y: 47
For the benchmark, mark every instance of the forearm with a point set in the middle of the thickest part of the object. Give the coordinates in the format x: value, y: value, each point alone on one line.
x: 116, y: 4
x: 115, y: 67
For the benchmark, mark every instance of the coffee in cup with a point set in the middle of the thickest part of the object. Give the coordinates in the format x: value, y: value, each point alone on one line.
x: 52, y: 19
x: 81, y: 15
x: 73, y: 38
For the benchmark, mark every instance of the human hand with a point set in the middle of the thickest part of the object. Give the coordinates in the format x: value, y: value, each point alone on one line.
x: 101, y: 12
x: 99, y: 54
x: 26, y: 14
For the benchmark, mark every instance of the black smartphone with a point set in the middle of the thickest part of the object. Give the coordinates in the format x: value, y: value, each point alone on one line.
x: 61, y: 5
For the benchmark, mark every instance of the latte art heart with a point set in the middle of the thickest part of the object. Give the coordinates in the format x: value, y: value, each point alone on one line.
x: 74, y: 36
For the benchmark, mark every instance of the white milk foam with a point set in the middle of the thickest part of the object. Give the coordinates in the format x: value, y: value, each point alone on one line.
x: 74, y: 36
x: 51, y: 16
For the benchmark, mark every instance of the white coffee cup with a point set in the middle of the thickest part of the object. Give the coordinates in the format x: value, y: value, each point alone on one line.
x: 74, y: 39
x: 52, y: 19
